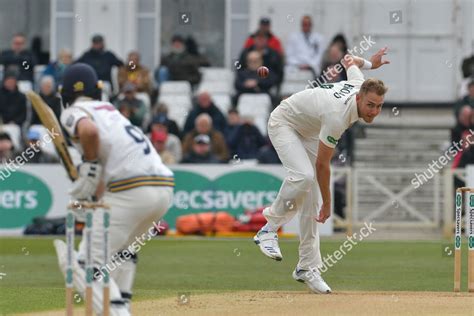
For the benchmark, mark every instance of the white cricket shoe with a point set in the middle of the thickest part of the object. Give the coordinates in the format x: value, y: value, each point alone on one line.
x: 313, y: 280
x: 268, y: 243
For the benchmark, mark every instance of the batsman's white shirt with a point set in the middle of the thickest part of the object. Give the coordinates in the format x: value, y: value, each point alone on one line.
x: 326, y: 111
x: 127, y: 156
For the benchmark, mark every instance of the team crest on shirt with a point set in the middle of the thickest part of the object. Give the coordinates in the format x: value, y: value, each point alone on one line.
x: 332, y: 140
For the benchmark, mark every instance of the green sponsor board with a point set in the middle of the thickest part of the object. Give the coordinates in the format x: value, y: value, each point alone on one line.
x: 23, y: 197
x: 232, y: 192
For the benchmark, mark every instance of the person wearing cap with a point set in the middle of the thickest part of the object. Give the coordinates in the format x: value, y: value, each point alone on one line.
x: 19, y: 59
x: 305, y: 49
x: 201, y: 151
x: 161, y: 109
x: 204, y: 104
x: 130, y: 106
x: 7, y: 150
x: 33, y: 141
x: 203, y: 125
x: 12, y: 101
x: 100, y: 59
x: 273, y: 41
x: 133, y: 71
x: 48, y: 94
x: 158, y: 139
x: 172, y: 142
x: 179, y: 64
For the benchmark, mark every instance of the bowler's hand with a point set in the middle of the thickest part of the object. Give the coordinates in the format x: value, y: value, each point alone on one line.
x: 376, y: 59
x: 324, y: 213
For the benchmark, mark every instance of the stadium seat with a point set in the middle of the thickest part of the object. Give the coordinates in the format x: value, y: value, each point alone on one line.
x: 222, y: 101
x: 39, y: 69
x: 178, y: 107
x: 213, y: 74
x: 14, y: 131
x: 298, y: 75
x: 114, y: 79
x: 1, y: 73
x: 288, y: 88
x: 214, y: 87
x: 257, y: 106
x: 175, y: 87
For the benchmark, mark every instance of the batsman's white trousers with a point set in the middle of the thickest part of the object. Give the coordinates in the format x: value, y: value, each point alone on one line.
x: 132, y: 213
x: 299, y: 192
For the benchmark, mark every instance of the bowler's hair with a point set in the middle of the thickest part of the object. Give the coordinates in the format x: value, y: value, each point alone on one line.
x: 373, y: 85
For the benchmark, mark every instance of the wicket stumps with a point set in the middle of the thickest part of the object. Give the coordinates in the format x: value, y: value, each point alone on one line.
x: 89, y: 207
x: 469, y: 207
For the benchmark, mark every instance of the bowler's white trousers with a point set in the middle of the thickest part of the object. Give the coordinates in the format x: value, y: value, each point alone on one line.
x: 299, y: 193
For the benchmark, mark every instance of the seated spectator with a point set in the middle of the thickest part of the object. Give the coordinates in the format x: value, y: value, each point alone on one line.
x: 158, y: 139
x: 132, y: 108
x: 41, y: 57
x: 7, y: 150
x: 12, y: 101
x: 268, y: 154
x: 18, y: 59
x: 467, y: 67
x: 161, y: 109
x: 273, y: 41
x: 200, y: 151
x: 305, y: 48
x: 100, y: 59
x: 56, y: 68
x: 467, y: 100
x: 233, y: 122
x: 160, y: 123
x: 463, y: 123
x: 270, y: 58
x: 48, y: 94
x: 246, y: 140
x: 333, y: 71
x: 179, y: 64
x: 248, y: 81
x: 135, y: 73
x: 204, y: 104
x: 33, y: 142
x: 203, y: 125
x: 193, y: 49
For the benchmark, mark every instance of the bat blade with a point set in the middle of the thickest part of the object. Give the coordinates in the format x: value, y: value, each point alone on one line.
x: 50, y: 122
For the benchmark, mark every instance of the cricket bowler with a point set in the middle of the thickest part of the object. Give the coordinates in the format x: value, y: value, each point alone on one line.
x: 304, y: 130
x: 138, y: 187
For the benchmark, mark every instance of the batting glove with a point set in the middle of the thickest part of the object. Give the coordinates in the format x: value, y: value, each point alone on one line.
x: 89, y: 177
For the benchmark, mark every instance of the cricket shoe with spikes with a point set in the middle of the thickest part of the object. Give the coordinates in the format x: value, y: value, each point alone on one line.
x: 267, y: 241
x: 312, y: 278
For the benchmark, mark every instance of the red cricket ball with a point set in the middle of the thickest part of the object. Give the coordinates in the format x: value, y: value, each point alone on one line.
x: 263, y: 72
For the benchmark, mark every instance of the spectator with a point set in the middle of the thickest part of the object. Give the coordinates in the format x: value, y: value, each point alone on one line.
x: 158, y: 139
x: 135, y: 73
x: 467, y: 100
x: 268, y: 155
x: 12, y: 101
x: 132, y: 108
x: 161, y: 109
x: 7, y: 150
x: 305, y: 49
x: 33, y: 142
x: 100, y: 59
x: 333, y: 71
x: 203, y: 125
x: 193, y: 49
x: 463, y: 123
x: 48, y: 94
x: 201, y: 151
x: 273, y: 41
x: 247, y: 80
x: 233, y: 122
x: 468, y: 67
x: 18, y: 59
x: 246, y: 140
x: 179, y: 64
x: 204, y: 104
x: 160, y: 123
x: 271, y: 59
x: 41, y: 57
x: 56, y: 68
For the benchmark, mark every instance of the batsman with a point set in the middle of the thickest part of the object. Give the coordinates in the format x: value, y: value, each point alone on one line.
x: 304, y: 130
x: 137, y: 186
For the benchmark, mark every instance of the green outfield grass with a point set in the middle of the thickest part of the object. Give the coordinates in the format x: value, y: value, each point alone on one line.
x: 169, y: 266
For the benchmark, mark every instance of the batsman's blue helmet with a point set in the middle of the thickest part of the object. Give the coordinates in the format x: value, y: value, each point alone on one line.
x: 80, y: 80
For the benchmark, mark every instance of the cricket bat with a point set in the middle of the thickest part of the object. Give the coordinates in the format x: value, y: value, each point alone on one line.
x: 50, y: 122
